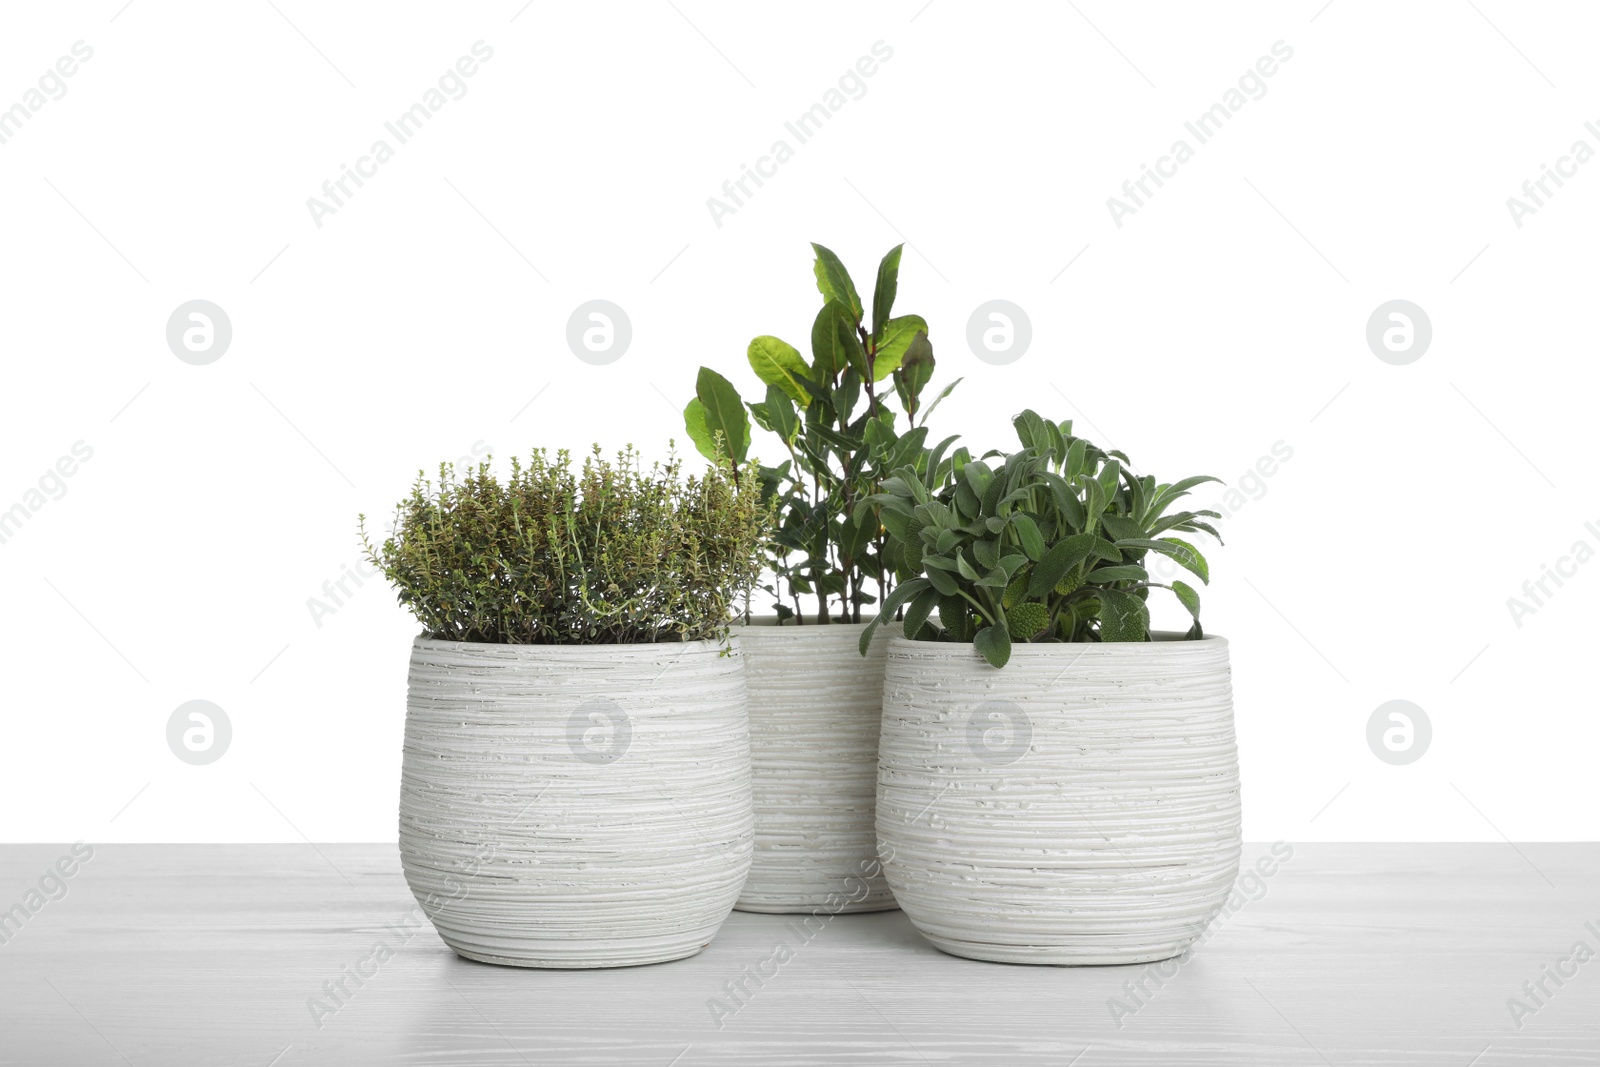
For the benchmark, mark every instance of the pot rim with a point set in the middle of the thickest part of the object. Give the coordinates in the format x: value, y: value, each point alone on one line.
x: 1163, y: 641
x: 642, y: 648
x: 765, y: 623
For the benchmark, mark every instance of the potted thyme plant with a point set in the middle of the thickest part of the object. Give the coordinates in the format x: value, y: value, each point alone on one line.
x: 843, y: 420
x: 576, y: 780
x: 1057, y: 783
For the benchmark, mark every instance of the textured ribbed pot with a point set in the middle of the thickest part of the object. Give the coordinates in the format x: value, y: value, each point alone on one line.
x: 576, y: 806
x: 815, y: 708
x: 1078, y: 806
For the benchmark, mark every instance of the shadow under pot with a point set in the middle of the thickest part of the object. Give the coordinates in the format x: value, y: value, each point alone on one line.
x: 1078, y: 806
x: 816, y: 705
x: 576, y: 805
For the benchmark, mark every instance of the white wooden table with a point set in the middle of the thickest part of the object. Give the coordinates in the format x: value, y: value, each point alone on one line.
x: 1347, y: 954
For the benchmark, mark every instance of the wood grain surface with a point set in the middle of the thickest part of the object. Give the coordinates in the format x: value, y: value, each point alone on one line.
x: 1344, y: 955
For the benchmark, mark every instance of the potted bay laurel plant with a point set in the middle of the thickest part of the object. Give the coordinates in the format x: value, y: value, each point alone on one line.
x: 575, y: 789
x: 1057, y: 782
x: 842, y: 421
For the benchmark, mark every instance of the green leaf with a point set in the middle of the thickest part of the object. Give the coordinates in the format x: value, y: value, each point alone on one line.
x: 1030, y: 430
x: 896, y: 522
x: 927, y: 411
x: 779, y: 363
x: 1065, y: 555
x: 781, y: 413
x: 1110, y: 476
x: 855, y: 353
x: 1188, y: 598
x: 994, y: 644
x: 918, y: 610
x: 724, y: 412
x: 694, y: 420
x: 896, y: 338
x: 996, y: 578
x: 854, y: 536
x: 760, y: 414
x: 844, y: 400
x: 1028, y: 534
x: 1166, y: 494
x: 942, y: 580
x: 1182, y: 552
x: 1120, y: 527
x: 834, y: 283
x: 828, y: 353
x: 907, y: 450
x: 1126, y: 572
x: 916, y: 369
x: 987, y: 553
x: 1123, y: 616
x: 883, y: 294
x: 1058, y: 444
x: 891, y: 603
x: 1076, y: 455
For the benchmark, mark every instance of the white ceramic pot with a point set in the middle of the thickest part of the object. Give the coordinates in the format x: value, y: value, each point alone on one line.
x: 576, y: 806
x: 815, y: 709
x: 1078, y: 806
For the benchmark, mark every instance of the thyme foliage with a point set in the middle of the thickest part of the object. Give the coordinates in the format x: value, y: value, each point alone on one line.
x: 607, y: 554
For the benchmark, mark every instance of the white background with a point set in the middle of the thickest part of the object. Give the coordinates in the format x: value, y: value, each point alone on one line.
x: 1226, y: 315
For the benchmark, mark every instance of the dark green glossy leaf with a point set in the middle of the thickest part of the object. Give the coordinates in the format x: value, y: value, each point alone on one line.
x: 834, y: 283
x: 828, y: 352
x: 896, y: 338
x: 884, y: 292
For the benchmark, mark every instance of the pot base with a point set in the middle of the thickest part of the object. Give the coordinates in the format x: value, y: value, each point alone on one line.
x: 568, y: 963
x: 865, y: 907
x: 1055, y: 956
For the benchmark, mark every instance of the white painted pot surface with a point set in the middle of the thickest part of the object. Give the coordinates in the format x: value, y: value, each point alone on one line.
x: 576, y: 806
x: 815, y: 709
x: 1078, y: 806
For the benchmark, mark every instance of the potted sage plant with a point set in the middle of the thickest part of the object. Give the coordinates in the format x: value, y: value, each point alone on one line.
x: 1057, y: 782
x: 576, y: 781
x: 840, y: 421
